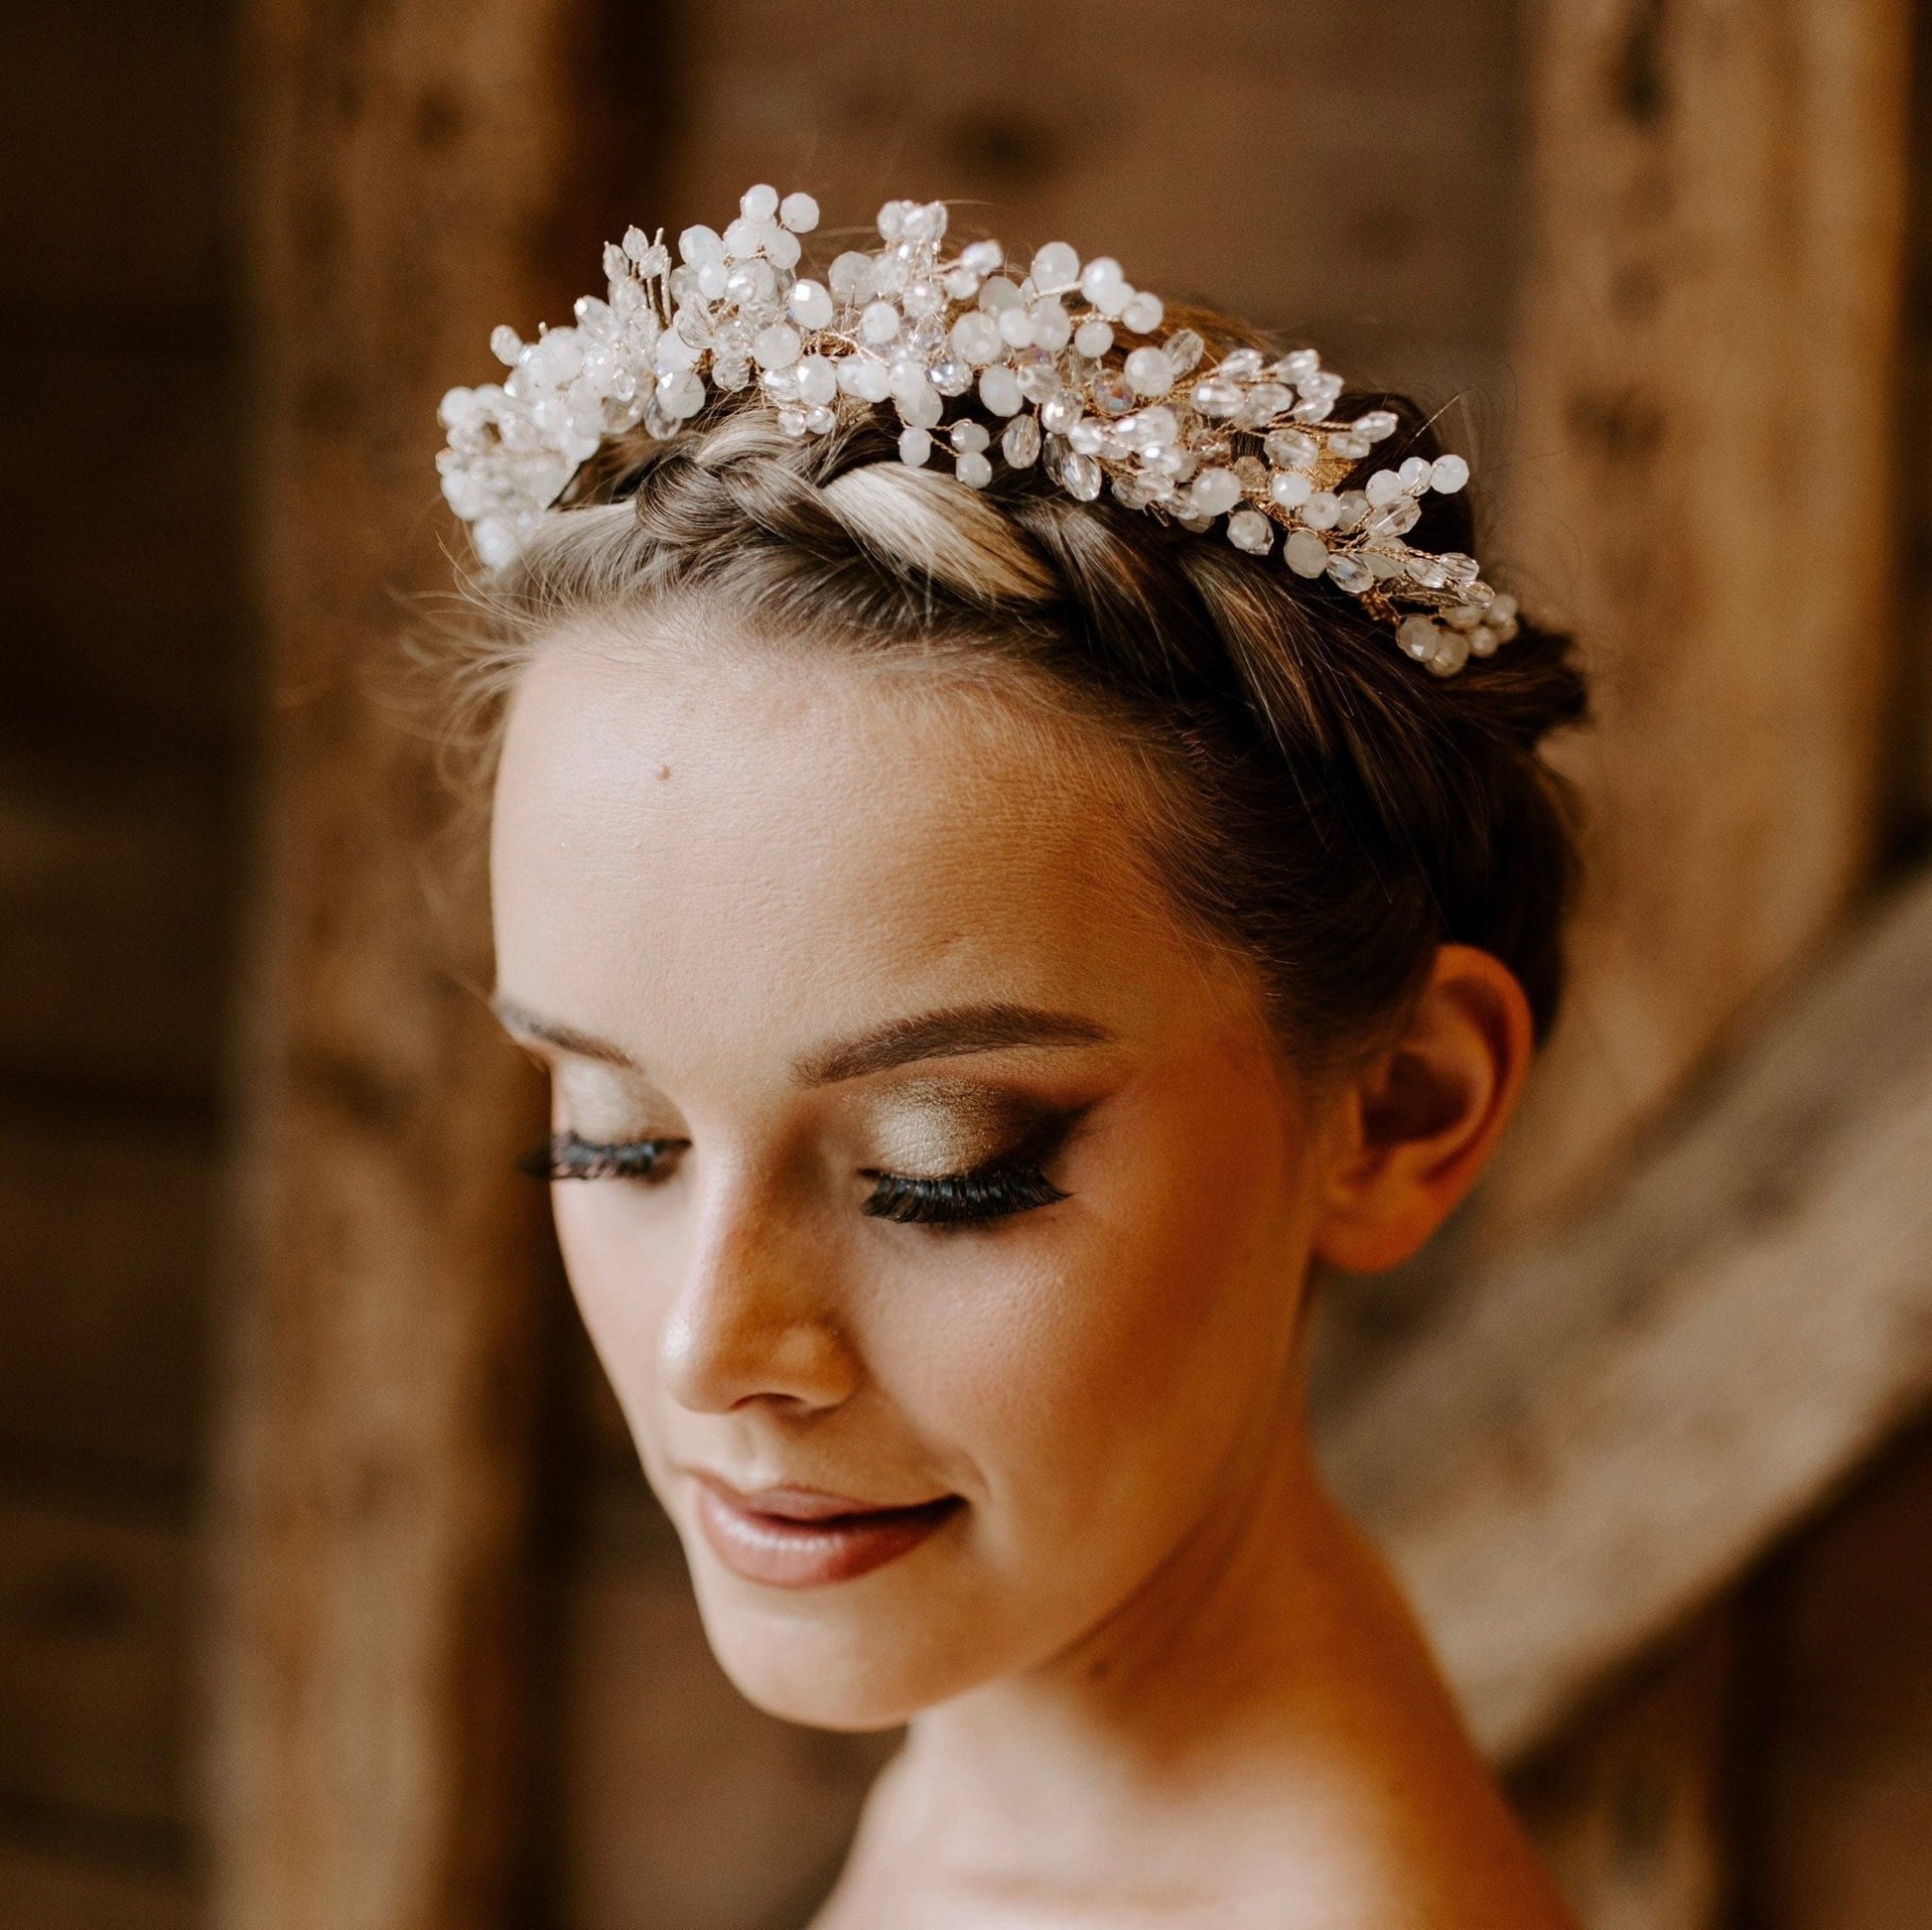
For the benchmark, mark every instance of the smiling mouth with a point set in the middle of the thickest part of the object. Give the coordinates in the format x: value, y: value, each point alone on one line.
x: 803, y: 1538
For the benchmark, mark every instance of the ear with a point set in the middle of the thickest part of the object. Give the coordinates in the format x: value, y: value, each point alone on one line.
x: 1414, y: 1130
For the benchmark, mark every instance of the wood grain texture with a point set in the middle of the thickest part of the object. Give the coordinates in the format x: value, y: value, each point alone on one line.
x: 1632, y: 1813
x: 1707, y: 365
x: 407, y: 165
x: 1838, y: 1789
x: 1626, y: 1411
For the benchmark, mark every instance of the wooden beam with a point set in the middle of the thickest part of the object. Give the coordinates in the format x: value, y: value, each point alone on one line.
x: 1702, y: 470
x: 1625, y: 1412
x: 408, y: 166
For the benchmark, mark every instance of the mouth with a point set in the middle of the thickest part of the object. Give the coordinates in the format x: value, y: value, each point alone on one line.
x: 804, y: 1538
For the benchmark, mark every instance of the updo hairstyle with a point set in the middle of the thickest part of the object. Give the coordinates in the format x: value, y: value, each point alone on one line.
x: 1333, y: 811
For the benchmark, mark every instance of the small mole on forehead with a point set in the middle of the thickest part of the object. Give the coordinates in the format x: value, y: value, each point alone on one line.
x: 663, y: 771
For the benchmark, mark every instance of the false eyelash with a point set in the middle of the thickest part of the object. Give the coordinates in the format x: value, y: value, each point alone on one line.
x: 566, y: 1156
x: 960, y: 1199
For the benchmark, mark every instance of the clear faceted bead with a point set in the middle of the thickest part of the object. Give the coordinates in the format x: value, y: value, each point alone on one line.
x: 950, y: 375
x: 1417, y: 637
x: 1352, y: 574
x: 1020, y: 443
x: 1082, y: 476
x: 1059, y: 413
x: 1377, y: 425
x: 968, y: 438
x: 1113, y: 393
x: 1184, y: 349
x: 1217, y: 398
x: 1250, y: 530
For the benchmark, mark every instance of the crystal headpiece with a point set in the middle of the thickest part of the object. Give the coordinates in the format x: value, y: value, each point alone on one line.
x: 1065, y: 362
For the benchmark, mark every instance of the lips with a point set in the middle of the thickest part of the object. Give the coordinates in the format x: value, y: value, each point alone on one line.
x: 804, y: 1538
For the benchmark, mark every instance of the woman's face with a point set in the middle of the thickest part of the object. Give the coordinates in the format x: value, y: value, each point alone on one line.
x: 946, y: 1207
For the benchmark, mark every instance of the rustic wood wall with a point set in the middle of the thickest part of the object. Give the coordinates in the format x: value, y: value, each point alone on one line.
x: 121, y: 696
x: 1556, y: 214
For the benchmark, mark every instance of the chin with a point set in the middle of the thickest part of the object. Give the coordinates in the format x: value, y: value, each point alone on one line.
x: 830, y: 1667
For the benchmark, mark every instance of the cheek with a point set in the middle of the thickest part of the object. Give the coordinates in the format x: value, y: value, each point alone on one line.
x: 621, y: 1268
x: 1097, y: 1368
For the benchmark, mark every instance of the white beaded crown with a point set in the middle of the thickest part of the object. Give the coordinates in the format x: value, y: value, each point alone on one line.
x: 1066, y: 363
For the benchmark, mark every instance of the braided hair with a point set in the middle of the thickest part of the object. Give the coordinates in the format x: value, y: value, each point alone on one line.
x: 1329, y: 810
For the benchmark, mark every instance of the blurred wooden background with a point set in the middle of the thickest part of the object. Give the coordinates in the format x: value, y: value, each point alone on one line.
x: 330, y: 1597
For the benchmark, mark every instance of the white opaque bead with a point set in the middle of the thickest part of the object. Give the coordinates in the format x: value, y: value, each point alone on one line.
x: 967, y: 438
x: 1383, y: 486
x: 1415, y: 473
x: 919, y: 405
x: 880, y: 322
x: 976, y: 337
x: 1052, y: 325
x: 1305, y: 553
x: 1150, y: 371
x: 1448, y: 474
x: 1378, y: 425
x: 1214, y: 490
x: 915, y: 446
x: 1093, y: 338
x: 776, y: 347
x: 998, y: 294
x: 1143, y: 313
x: 1291, y: 487
x: 983, y: 257
x: 1102, y: 275
x: 799, y: 212
x: 1017, y: 328
x: 700, y: 244
x: 1323, y: 511
x: 1000, y: 390
x: 1055, y: 266
x: 818, y: 380
x: 849, y: 276
x: 759, y: 204
x: 975, y: 471
x: 870, y: 381
x: 811, y: 305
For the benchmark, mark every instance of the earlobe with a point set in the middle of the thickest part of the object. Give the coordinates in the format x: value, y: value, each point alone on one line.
x: 1415, y: 1129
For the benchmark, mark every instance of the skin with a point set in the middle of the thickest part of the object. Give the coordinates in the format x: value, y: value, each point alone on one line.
x: 1152, y: 1676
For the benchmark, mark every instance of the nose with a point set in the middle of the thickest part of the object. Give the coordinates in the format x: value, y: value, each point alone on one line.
x: 756, y: 1314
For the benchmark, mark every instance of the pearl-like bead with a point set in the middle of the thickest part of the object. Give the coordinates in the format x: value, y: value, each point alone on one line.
x: 915, y: 446
x: 810, y: 304
x: 1150, y: 371
x: 976, y: 337
x: 1305, y: 553
x: 1000, y: 390
x: 1056, y: 266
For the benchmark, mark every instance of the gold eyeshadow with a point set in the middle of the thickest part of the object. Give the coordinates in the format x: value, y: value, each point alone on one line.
x: 936, y: 1127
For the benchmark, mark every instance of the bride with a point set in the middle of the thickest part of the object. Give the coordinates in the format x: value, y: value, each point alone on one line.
x: 1017, y: 833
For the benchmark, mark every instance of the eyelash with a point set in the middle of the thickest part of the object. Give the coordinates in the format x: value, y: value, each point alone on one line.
x: 999, y: 1190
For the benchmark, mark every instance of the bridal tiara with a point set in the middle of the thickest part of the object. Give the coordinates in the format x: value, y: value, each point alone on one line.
x: 1055, y: 362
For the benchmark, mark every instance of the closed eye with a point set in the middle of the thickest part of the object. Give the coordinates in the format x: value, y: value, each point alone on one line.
x: 569, y: 1155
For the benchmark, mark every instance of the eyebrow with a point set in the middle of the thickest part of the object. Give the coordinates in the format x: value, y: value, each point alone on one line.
x: 522, y: 1024
x: 951, y: 1033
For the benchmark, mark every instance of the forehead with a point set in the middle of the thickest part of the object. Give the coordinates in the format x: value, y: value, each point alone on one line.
x: 695, y: 836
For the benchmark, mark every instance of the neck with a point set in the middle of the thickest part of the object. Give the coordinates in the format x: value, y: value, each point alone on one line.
x: 1262, y: 1709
